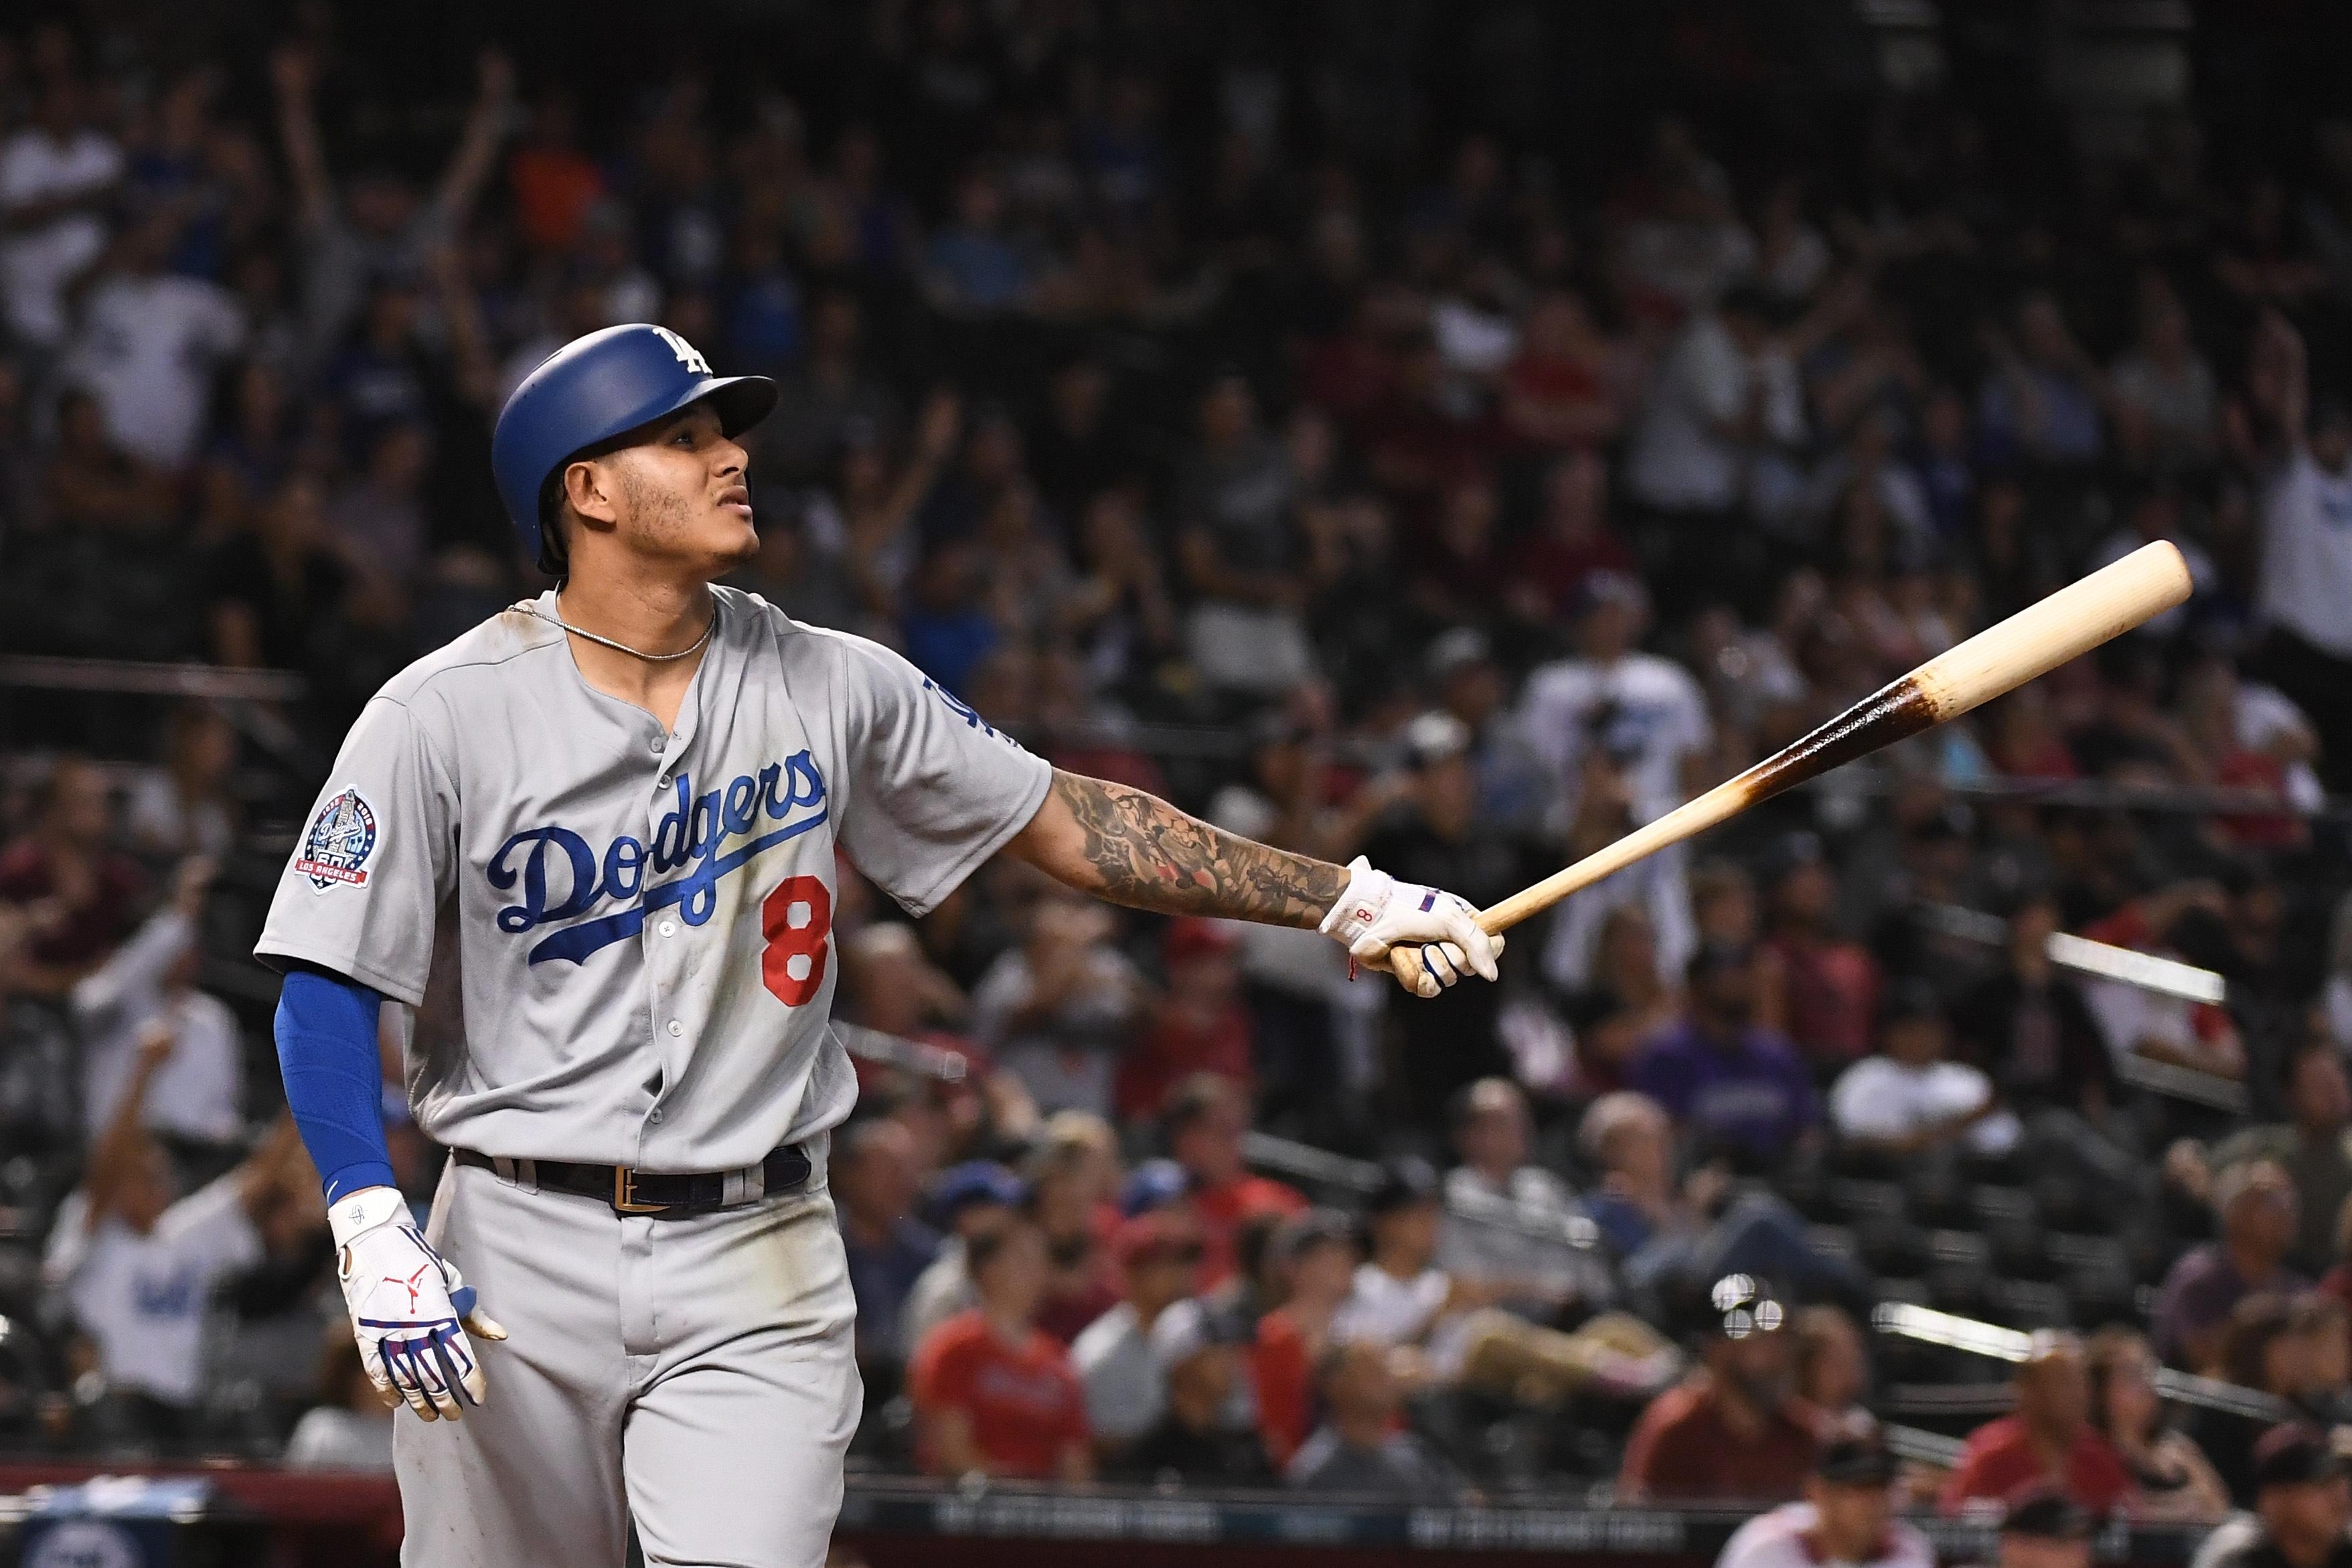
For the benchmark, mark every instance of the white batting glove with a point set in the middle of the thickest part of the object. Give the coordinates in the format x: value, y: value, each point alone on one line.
x: 409, y: 1307
x: 1378, y: 913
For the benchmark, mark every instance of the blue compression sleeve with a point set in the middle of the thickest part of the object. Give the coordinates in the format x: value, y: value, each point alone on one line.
x: 334, y: 1080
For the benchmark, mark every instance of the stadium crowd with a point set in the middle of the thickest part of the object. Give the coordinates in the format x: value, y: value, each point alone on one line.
x: 1429, y: 496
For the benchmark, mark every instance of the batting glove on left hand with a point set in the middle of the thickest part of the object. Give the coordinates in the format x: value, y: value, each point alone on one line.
x: 409, y: 1307
x: 1435, y: 931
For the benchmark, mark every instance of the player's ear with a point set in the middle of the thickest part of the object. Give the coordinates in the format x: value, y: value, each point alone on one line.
x: 589, y: 490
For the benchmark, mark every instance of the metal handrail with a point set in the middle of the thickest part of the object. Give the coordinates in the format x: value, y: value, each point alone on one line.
x: 1995, y: 1342
x: 133, y: 678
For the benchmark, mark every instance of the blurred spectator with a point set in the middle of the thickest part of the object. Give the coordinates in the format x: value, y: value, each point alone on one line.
x: 137, y: 1266
x: 1199, y: 1363
x: 2309, y: 1146
x: 1847, y: 1516
x: 1199, y: 1024
x: 2306, y: 564
x: 1822, y: 988
x: 1723, y: 387
x: 1446, y: 1329
x: 2027, y: 1025
x: 2041, y: 403
x: 1436, y: 830
x: 1072, y: 1170
x: 2303, y: 1506
x: 1159, y: 1259
x: 1315, y: 1255
x: 1361, y: 1450
x: 1240, y: 550
x: 374, y: 226
x: 188, y: 805
x: 149, y: 343
x: 2166, y: 402
x: 57, y: 173
x: 993, y: 1394
x: 974, y: 269
x: 2255, y: 1200
x: 876, y: 1180
x: 1832, y: 1367
x: 968, y: 1200
x: 349, y: 1428
x: 2174, y: 1479
x: 1732, y: 1087
x: 2052, y: 1439
x: 1907, y: 1101
x: 2042, y: 1527
x: 1053, y: 1010
x: 1643, y: 713
x: 1203, y: 1125
x: 77, y: 888
x: 1664, y: 1224
x: 1511, y: 1227
x: 147, y: 984
x: 1734, y: 1430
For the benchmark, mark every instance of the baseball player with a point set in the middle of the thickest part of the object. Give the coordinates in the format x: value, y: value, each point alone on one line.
x: 622, y: 802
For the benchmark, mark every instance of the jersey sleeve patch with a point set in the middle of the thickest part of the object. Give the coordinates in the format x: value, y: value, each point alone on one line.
x: 342, y: 835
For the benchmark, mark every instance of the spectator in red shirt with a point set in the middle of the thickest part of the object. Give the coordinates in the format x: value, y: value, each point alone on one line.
x: 77, y: 890
x: 1571, y: 541
x: 1316, y: 1255
x: 2050, y: 1439
x: 1735, y: 1428
x: 1823, y: 989
x: 1555, y: 391
x: 1204, y: 1122
x: 1199, y: 1025
x: 995, y: 1394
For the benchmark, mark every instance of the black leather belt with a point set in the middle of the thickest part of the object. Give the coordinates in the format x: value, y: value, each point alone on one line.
x: 645, y: 1192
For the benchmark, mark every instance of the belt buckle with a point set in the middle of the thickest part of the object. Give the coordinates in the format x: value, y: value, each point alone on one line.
x: 624, y: 1194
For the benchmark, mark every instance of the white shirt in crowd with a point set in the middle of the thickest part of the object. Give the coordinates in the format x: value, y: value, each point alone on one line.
x: 143, y: 1299
x: 1783, y: 1539
x: 164, y: 825
x: 1112, y: 1356
x: 1388, y: 1310
x: 37, y: 264
x: 1645, y: 710
x: 147, y: 349
x: 1880, y: 1099
x: 328, y: 1437
x: 1680, y: 459
x: 199, y: 1090
x: 2306, y: 576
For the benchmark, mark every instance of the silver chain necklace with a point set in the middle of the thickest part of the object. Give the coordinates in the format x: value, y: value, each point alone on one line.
x: 624, y: 648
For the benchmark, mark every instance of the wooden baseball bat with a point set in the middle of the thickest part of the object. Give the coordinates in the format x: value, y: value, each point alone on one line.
x: 1996, y: 661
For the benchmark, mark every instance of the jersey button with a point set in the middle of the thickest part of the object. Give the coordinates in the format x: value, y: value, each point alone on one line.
x: 675, y: 1028
x: 657, y: 1115
x: 668, y: 928
x: 653, y: 744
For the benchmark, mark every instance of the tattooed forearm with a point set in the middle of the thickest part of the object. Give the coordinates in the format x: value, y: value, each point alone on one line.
x: 1134, y: 849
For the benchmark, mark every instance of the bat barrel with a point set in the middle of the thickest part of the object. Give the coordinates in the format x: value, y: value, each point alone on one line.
x: 1999, y: 660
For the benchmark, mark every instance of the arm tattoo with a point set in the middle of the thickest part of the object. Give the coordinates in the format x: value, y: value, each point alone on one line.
x: 1147, y: 855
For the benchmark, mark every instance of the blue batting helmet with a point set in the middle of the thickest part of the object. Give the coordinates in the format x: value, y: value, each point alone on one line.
x: 595, y: 388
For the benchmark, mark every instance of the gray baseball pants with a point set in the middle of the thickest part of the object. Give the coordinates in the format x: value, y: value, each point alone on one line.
x: 696, y: 1374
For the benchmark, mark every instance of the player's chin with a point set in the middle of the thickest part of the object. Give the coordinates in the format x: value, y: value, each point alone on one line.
x: 729, y: 538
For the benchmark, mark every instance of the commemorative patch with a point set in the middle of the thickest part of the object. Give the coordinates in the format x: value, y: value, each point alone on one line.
x: 342, y: 838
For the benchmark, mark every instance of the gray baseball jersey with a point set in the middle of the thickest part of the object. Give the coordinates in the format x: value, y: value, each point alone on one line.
x: 642, y: 916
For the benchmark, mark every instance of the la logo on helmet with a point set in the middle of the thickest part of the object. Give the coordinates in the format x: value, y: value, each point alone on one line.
x: 687, y: 355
